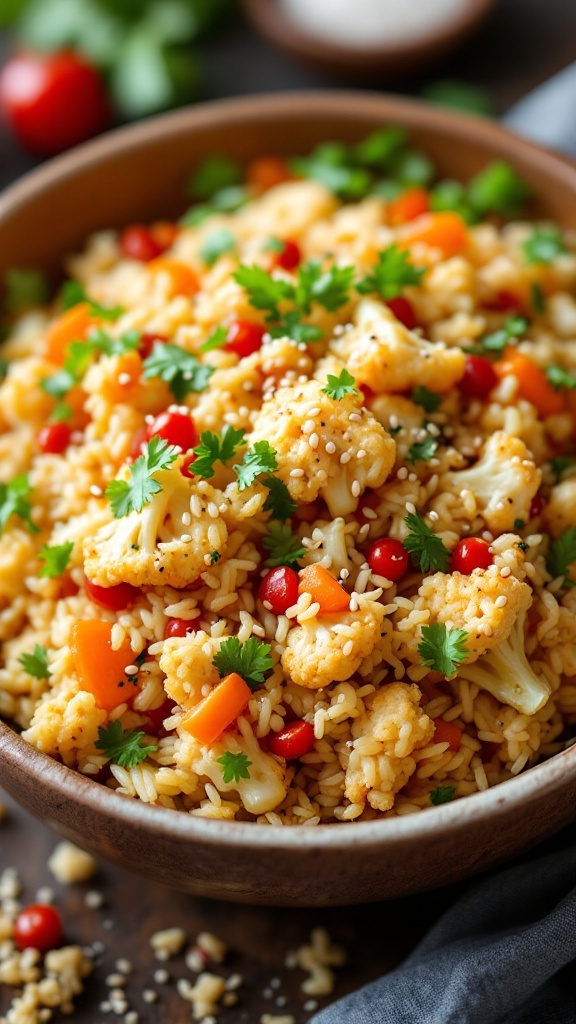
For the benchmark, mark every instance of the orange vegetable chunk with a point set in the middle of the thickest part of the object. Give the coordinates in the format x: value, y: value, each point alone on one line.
x: 446, y: 732
x: 329, y: 594
x: 100, y: 669
x: 533, y: 385
x: 445, y: 231
x: 208, y: 720
x: 408, y: 205
x: 183, y: 280
x: 267, y: 171
x: 73, y: 325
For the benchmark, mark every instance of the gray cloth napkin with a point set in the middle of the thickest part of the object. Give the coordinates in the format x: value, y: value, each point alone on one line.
x: 548, y: 114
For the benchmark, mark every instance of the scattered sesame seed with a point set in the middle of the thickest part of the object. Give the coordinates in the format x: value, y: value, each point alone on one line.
x: 124, y: 966
x: 310, y: 1005
x: 186, y: 519
x: 433, y: 516
x: 369, y: 513
x: 355, y: 417
x: 149, y: 995
x: 363, y: 531
x: 124, y: 378
x: 115, y: 980
x: 131, y: 670
x: 344, y: 574
x: 348, y: 648
x: 95, y: 490
x: 296, y: 473
x: 322, y: 474
x: 361, y: 453
x: 353, y: 606
x: 267, y: 606
x: 330, y: 447
x: 314, y: 440
x: 45, y: 894
x: 402, y: 473
x: 344, y: 458
x: 412, y: 478
x: 501, y: 601
x: 505, y: 571
x: 534, y: 540
x: 486, y: 535
x: 308, y: 427
x: 355, y: 489
x: 338, y: 330
x: 394, y: 422
x: 313, y: 412
x: 161, y: 976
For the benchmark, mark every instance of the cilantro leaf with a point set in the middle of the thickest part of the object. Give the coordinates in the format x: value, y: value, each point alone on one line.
x: 24, y: 288
x: 131, y: 496
x: 234, y: 766
x: 512, y: 329
x: 181, y: 370
x: 442, y: 795
x: 422, y: 451
x: 251, y: 660
x: 100, y: 341
x: 214, y: 174
x: 429, y: 400
x: 278, y: 502
x: 216, y: 244
x: 216, y: 448
x: 329, y: 164
x: 379, y: 148
x: 73, y: 292
x: 328, y: 288
x: 452, y: 195
x: 55, y: 559
x: 59, y: 384
x: 257, y: 460
x: 392, y: 273
x: 61, y: 413
x: 226, y: 200
x: 217, y: 339
x: 283, y: 547
x: 560, y: 378
x: 15, y: 501
x: 338, y: 387
x: 215, y: 557
x: 36, y: 664
x: 561, y: 555
x: 124, y: 748
x: 264, y: 291
x: 426, y: 548
x: 544, y: 245
x: 290, y: 326
x: 498, y: 189
x: 442, y: 649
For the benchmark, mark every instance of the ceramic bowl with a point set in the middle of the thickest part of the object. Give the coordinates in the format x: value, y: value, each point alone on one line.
x: 138, y: 174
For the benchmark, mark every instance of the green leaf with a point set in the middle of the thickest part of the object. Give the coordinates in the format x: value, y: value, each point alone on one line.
x: 73, y: 292
x: 513, y: 329
x: 228, y: 200
x: 498, y: 189
x: 452, y: 195
x: 150, y: 76
x: 460, y: 96
x: 214, y: 557
x: 329, y: 289
x: 426, y: 548
x: 100, y: 341
x: 181, y: 370
x: 217, y: 244
x: 10, y: 11
x: 264, y: 291
x: 442, y: 649
x: 412, y: 167
x: 442, y: 795
x: 544, y: 245
x: 338, y: 387
x: 379, y: 148
x: 55, y: 559
x: 560, y: 463
x: 124, y: 748
x: 36, y: 664
x: 561, y: 555
x: 251, y: 660
x: 58, y: 384
x: 234, y: 767
x: 422, y: 451
x: 214, y: 174
x: 274, y: 245
x: 132, y: 495
x: 429, y: 400
x: 345, y: 181
x: 560, y: 378
x: 538, y: 299
x: 290, y: 326
x: 391, y: 275
x: 259, y: 459
x: 216, y: 448
x: 217, y: 339
x: 278, y: 502
x: 283, y: 547
x: 15, y: 501
x: 24, y: 289
x: 61, y: 413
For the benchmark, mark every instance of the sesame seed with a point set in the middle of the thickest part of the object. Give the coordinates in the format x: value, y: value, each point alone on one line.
x: 501, y: 601
x: 394, y: 422
x: 124, y: 378
x: 308, y: 427
x: 93, y: 899
x: 185, y: 538
x: 361, y: 453
x: 338, y: 330
x: 149, y: 995
x: 505, y: 571
x: 486, y: 535
x: 314, y: 412
x: 344, y: 458
x: 348, y: 648
x: 322, y: 474
x: 355, y: 417
x: 186, y: 519
x: 131, y: 670
x: 412, y: 478
x: 310, y: 1005
x: 223, y: 507
x: 353, y: 606
x: 330, y: 448
x: 344, y: 574
x: 296, y: 473
x: 124, y: 966
x: 131, y: 1018
x: 355, y: 489
x: 161, y: 976
x: 500, y: 505
x: 433, y: 516
x: 534, y: 540
x: 402, y: 473
x: 95, y: 490
x: 314, y: 440
x: 115, y: 980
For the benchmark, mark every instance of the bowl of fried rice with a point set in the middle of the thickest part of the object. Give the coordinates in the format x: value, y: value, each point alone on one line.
x: 288, y: 498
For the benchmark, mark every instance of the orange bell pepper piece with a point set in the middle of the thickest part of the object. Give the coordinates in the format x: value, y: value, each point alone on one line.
x: 317, y: 581
x: 267, y: 171
x: 533, y: 385
x: 445, y: 231
x: 123, y: 386
x: 100, y: 669
x: 183, y: 280
x: 208, y: 720
x: 408, y: 205
x: 73, y: 325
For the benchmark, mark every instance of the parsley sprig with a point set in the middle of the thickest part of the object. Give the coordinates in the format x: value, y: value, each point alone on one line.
x: 216, y: 448
x: 55, y: 558
x: 250, y: 659
x: 422, y: 451
x: 391, y: 275
x: 562, y: 555
x: 427, y: 550
x: 544, y: 245
x: 442, y: 649
x: 180, y: 369
x: 283, y: 547
x: 132, y: 495
x: 513, y: 328
x: 36, y: 664
x: 234, y: 766
x: 15, y: 501
x: 338, y: 387
x: 278, y: 502
x: 429, y: 400
x: 124, y: 748
x: 259, y: 459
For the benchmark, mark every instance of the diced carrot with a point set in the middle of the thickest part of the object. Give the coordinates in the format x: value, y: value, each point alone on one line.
x: 100, y: 669
x: 183, y: 280
x: 124, y: 385
x: 208, y: 720
x: 73, y: 325
x: 267, y: 171
x: 408, y: 205
x: 165, y: 233
x: 446, y: 732
x: 533, y: 384
x: 445, y: 231
x: 317, y: 581
x: 75, y: 398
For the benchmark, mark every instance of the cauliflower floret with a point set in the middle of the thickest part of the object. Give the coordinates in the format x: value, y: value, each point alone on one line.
x: 265, y: 787
x: 148, y: 547
x: 318, y: 440
x: 314, y: 656
x: 187, y: 664
x: 475, y: 603
x: 504, y: 481
x: 386, y: 356
x: 330, y: 549
x: 560, y: 512
x: 397, y: 726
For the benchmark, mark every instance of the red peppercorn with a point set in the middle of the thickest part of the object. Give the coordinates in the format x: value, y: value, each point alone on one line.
x: 279, y: 589
x: 178, y: 627
x: 175, y: 427
x: 403, y: 311
x: 147, y: 343
x: 293, y: 740
x: 54, y: 438
x: 114, y: 598
x: 537, y: 506
x: 38, y: 927
x: 138, y: 243
x: 388, y: 557
x: 471, y: 553
x: 244, y: 338
x: 479, y: 377
x: 289, y: 257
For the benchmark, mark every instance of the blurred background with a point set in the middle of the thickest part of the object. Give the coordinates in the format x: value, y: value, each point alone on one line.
x: 128, y: 59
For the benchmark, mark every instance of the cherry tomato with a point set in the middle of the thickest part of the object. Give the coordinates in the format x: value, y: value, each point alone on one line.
x: 165, y: 232
x: 293, y: 740
x: 138, y: 243
x: 178, y: 627
x: 446, y: 732
x: 537, y: 505
x: 388, y: 557
x: 479, y: 377
x: 175, y: 427
x: 38, y: 927
x: 403, y: 311
x: 157, y: 717
x: 289, y: 257
x: 52, y: 101
x: 279, y: 588
x: 471, y: 553
x: 244, y: 338
x: 366, y: 391
x: 267, y: 171
x: 114, y: 598
x: 54, y: 438
x: 504, y: 301
x: 147, y: 343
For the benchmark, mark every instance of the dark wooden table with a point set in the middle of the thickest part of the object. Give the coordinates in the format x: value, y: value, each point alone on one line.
x: 523, y: 43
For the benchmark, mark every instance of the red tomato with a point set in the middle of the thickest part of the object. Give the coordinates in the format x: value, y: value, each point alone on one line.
x: 537, y: 505
x: 114, y: 598
x: 175, y: 427
x: 244, y: 338
x: 504, y: 301
x: 293, y: 740
x: 279, y: 588
x: 54, y: 438
x: 158, y: 715
x: 388, y: 557
x: 289, y: 257
x: 403, y: 311
x: 138, y: 243
x: 446, y: 732
x: 38, y: 927
x: 178, y: 627
x: 471, y: 553
x: 52, y: 101
x: 479, y: 377
x: 147, y: 342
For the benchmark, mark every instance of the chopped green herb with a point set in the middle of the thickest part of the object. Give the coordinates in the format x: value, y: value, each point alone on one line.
x: 442, y: 649
x: 561, y: 556
x: 15, y: 501
x: 180, y: 369
x: 257, y: 460
x: 378, y: 149
x: 4, y: 367
x: 55, y: 559
x: 452, y: 195
x: 538, y: 299
x: 518, y: 524
x: 216, y: 448
x: 131, y: 496
x: 391, y: 275
x: 511, y: 330
x: 278, y: 502
x: 290, y: 326
x: 216, y: 244
x: 544, y: 245
x: 215, y: 556
x: 73, y: 292
x: 234, y: 767
x: 338, y: 387
x: 442, y: 795
x: 214, y: 174
x: 227, y: 200
x: 24, y: 288
x: 329, y: 165
x: 426, y: 548
x: 460, y: 96
x: 328, y: 288
x: 264, y: 291
x: 498, y: 189
x: 422, y: 451
x: 61, y: 413
x: 100, y: 341
x: 274, y: 245
x: 217, y: 339
x: 412, y: 167
x: 283, y: 547
x: 560, y: 463
x: 124, y: 748
x: 251, y: 660
x: 429, y: 400
x: 36, y: 664
x: 560, y: 378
